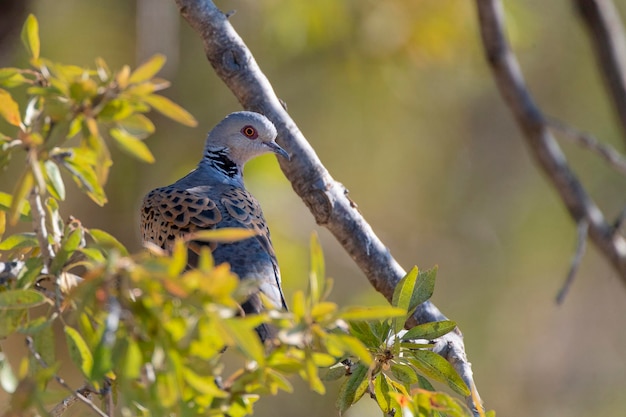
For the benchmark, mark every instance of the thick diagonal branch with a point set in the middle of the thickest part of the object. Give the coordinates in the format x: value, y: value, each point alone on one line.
x: 609, y: 44
x: 543, y: 146
x: 326, y: 198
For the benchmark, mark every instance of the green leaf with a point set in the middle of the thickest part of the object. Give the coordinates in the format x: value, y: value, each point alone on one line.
x: 79, y: 351
x: 106, y: 240
x: 436, y: 367
x: 168, y: 108
x: 370, y: 313
x: 148, y: 69
x: 353, y: 388
x: 68, y: 246
x: 6, y: 201
x: 402, y: 296
x: 115, y: 110
x: 21, y: 299
x: 223, y: 235
x: 84, y: 176
x: 429, y: 331
x: 19, y: 240
x: 44, y: 344
x: 311, y: 371
x: 11, y: 77
x: 11, y: 320
x: 9, y: 110
x: 137, y: 125
x: 362, y: 331
x: 350, y: 344
x: 132, y: 361
x: 56, y: 187
x: 30, y: 36
x: 242, y: 332
x: 317, y: 274
x: 404, y: 373
x: 381, y: 389
x: 131, y: 145
x: 424, y: 287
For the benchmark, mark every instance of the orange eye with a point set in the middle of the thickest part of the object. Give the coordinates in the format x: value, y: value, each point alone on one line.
x: 250, y: 132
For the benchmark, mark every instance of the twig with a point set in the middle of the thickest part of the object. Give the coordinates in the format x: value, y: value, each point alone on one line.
x: 541, y: 143
x: 606, y: 152
x: 581, y: 245
x: 607, y: 33
x: 61, y: 381
x: 68, y: 402
x: 325, y: 197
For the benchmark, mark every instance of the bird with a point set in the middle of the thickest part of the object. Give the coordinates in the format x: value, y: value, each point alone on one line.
x: 213, y: 196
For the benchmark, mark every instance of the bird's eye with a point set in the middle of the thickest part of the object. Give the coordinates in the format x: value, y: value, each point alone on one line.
x: 250, y: 132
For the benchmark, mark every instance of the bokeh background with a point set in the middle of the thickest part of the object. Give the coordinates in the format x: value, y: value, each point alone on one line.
x: 398, y: 102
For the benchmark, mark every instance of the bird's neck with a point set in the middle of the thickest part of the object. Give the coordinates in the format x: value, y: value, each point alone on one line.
x: 220, y: 160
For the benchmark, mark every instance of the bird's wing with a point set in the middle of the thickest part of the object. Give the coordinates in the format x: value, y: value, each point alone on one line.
x: 170, y: 212
x: 245, y: 210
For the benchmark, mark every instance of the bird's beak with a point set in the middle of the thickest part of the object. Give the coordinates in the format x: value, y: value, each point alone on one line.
x: 277, y: 150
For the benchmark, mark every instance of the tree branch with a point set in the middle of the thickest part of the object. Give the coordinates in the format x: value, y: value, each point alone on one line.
x: 326, y: 198
x: 607, y: 33
x: 543, y: 146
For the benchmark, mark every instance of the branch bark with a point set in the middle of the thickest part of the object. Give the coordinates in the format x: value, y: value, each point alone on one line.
x: 543, y: 146
x: 326, y: 198
x: 609, y: 41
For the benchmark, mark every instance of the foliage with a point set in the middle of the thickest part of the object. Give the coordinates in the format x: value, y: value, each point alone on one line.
x: 147, y: 334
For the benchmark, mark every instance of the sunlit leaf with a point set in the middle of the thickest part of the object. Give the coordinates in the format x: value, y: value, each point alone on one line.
x: 370, y: 313
x: 323, y: 310
x: 381, y: 389
x: 131, y: 145
x: 11, y: 77
x: 3, y: 223
x: 106, y: 240
x: 352, y: 389
x: 9, y: 109
x: 137, y: 125
x: 351, y: 345
x: 54, y: 180
x: 6, y: 201
x: 116, y: 109
x: 8, y: 380
x: 436, y: 367
x: 67, y: 249
x: 402, y: 296
x: 20, y: 299
x: 19, y: 240
x: 168, y: 108
x: 429, y: 331
x: 223, y: 235
x: 317, y: 274
x: 203, y: 384
x: 148, y: 69
x: 79, y: 351
x: 245, y: 338
x: 30, y: 36
x: 311, y: 371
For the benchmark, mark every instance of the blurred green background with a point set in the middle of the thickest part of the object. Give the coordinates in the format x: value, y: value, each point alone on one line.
x: 399, y: 104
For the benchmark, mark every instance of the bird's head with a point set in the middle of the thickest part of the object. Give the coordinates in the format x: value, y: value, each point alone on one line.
x: 243, y: 136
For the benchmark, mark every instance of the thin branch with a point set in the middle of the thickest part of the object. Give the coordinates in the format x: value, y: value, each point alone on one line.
x: 68, y: 402
x: 326, y: 198
x: 607, y: 33
x: 61, y: 381
x: 606, y: 152
x: 541, y: 143
x: 581, y: 245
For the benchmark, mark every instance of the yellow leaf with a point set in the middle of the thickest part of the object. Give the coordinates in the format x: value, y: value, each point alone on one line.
x: 22, y: 188
x: 170, y: 109
x: 9, y: 110
x: 223, y: 235
x: 148, y: 69
x: 131, y: 145
x: 30, y: 36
